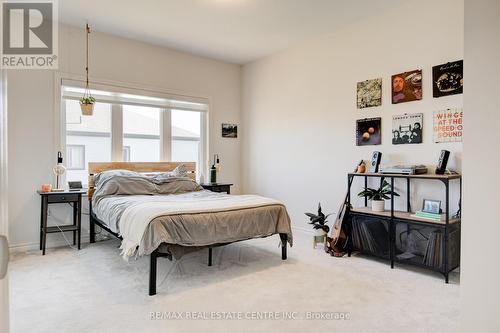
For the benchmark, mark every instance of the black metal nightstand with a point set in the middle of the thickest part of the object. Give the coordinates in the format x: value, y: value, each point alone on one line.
x: 218, y: 187
x: 47, y: 198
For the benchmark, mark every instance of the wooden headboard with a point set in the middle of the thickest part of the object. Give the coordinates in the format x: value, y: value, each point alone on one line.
x: 142, y: 167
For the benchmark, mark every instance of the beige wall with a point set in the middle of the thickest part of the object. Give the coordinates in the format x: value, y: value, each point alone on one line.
x: 480, y: 294
x: 299, y: 106
x: 32, y: 112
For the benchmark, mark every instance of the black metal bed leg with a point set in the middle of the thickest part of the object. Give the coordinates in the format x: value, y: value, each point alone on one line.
x: 152, y: 273
x: 209, y: 256
x: 284, y: 239
x: 91, y: 224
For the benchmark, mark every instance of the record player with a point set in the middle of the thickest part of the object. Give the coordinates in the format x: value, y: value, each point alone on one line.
x: 405, y: 169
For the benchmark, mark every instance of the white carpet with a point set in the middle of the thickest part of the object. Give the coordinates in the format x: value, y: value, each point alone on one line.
x: 94, y: 290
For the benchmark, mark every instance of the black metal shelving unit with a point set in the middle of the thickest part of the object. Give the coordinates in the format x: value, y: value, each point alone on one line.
x: 449, y: 227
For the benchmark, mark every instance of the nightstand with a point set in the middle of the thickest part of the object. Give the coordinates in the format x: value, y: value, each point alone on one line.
x: 74, y: 197
x: 218, y: 187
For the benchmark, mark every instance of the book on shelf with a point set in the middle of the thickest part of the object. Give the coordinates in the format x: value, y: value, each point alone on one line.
x: 430, y: 216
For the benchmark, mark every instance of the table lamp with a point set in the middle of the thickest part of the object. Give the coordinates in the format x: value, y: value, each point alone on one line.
x: 58, y: 170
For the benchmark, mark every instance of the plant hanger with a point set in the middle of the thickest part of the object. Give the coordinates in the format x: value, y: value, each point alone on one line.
x: 87, y: 101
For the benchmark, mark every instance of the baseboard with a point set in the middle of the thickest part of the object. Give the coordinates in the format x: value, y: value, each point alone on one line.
x: 303, y: 229
x: 24, y: 247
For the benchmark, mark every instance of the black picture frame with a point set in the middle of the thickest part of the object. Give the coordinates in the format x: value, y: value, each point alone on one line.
x: 431, y: 206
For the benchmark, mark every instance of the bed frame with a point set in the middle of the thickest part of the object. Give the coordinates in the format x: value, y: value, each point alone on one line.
x: 148, y: 168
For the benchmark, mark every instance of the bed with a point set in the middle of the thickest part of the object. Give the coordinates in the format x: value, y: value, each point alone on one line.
x: 157, y: 209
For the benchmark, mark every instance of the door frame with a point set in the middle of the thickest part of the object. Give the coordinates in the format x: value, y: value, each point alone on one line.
x: 4, y: 283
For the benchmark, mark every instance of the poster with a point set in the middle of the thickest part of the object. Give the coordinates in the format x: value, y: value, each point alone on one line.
x: 448, y: 79
x: 369, y: 93
x: 448, y: 125
x: 407, y: 128
x: 368, y: 131
x: 407, y: 86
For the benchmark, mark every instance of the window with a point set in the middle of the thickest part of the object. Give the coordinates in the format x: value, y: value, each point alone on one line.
x: 87, y: 138
x: 141, y: 133
x: 131, y: 127
x: 75, y: 157
x: 186, y: 135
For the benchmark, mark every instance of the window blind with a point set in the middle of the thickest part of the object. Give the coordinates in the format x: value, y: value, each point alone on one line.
x: 72, y: 89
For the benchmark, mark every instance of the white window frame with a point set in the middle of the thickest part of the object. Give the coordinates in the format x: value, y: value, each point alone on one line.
x: 127, y: 149
x: 82, y: 147
x: 175, y: 101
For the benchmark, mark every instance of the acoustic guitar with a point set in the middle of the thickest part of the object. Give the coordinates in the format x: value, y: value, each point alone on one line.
x: 336, y: 245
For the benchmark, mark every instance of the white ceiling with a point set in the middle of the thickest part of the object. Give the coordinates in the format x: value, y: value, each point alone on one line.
x: 237, y: 31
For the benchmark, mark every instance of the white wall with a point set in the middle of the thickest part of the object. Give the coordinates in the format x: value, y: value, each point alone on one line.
x: 32, y: 112
x: 299, y: 106
x: 480, y: 272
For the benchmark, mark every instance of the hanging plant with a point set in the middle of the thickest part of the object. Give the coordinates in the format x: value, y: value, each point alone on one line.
x: 87, y: 101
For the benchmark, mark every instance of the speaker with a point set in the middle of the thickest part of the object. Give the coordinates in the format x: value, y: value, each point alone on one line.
x: 442, y: 162
x: 376, y: 158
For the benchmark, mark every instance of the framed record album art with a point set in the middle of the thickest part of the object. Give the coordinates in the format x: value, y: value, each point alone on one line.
x: 448, y: 125
x: 369, y: 93
x: 448, y: 79
x: 407, y: 128
x: 407, y: 86
x: 368, y: 131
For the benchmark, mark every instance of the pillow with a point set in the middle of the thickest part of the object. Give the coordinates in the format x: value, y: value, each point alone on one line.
x: 104, y: 176
x: 118, y: 182
x: 125, y: 182
x: 178, y: 185
x: 179, y: 172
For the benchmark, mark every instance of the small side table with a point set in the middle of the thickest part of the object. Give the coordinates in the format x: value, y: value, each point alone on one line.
x: 47, y: 198
x: 218, y: 187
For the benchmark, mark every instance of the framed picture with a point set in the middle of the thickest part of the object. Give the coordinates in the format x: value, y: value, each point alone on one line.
x: 448, y: 125
x: 369, y: 131
x: 431, y: 206
x: 229, y: 130
x: 448, y: 79
x: 407, y: 128
x: 407, y: 86
x: 369, y: 93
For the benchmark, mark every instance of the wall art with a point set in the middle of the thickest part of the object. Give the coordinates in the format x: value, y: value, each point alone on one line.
x: 407, y: 86
x: 369, y: 93
x: 229, y: 130
x: 448, y: 79
x: 448, y: 125
x: 407, y: 128
x: 368, y: 131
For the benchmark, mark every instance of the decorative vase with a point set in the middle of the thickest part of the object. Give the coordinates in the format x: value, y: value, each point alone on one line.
x: 362, y: 168
x: 319, y: 237
x: 87, y: 109
x: 378, y: 205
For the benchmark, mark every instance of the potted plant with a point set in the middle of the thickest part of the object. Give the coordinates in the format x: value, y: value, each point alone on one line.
x: 377, y: 196
x: 87, y: 105
x: 318, y: 222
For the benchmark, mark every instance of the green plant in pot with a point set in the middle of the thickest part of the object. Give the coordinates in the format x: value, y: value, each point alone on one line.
x: 318, y: 222
x: 87, y: 105
x: 377, y: 196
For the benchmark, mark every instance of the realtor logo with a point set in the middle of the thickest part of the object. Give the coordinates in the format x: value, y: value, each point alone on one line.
x: 29, y: 34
